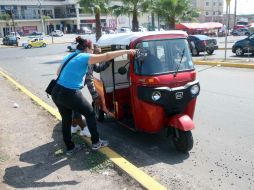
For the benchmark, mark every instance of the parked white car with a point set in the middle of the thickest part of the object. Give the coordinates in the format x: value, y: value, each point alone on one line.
x: 86, y: 30
x: 57, y: 33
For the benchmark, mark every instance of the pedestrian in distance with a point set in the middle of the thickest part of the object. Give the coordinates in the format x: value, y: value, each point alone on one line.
x: 67, y: 93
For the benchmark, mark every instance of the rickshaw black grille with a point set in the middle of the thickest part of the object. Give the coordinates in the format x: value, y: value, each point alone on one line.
x: 174, y: 101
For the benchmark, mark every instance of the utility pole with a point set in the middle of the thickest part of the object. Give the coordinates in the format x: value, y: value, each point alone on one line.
x: 10, y: 12
x: 235, y: 12
x: 42, y: 22
x: 227, y: 28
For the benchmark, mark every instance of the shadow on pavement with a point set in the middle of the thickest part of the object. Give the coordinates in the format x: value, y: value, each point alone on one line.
x: 141, y: 149
x: 43, y: 161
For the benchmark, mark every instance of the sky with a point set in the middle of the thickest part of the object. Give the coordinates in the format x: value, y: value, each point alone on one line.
x: 243, y: 6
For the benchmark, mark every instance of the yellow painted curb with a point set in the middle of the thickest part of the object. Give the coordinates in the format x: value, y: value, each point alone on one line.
x: 141, y: 177
x: 225, y: 64
x: 224, y: 49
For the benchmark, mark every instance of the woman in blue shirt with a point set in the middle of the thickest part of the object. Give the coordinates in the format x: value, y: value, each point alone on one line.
x: 67, y: 93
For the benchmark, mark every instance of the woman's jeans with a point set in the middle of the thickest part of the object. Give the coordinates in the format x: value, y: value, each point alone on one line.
x: 67, y: 100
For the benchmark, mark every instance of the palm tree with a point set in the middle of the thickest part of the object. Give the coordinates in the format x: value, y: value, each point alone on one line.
x: 6, y: 17
x: 173, y: 11
x: 44, y: 19
x: 97, y: 7
x: 133, y: 7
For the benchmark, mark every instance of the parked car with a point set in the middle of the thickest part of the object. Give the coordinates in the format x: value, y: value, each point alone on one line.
x: 84, y: 30
x: 35, y: 33
x: 57, y: 33
x: 10, y: 40
x: 244, y: 46
x: 201, y: 43
x: 72, y: 46
x: 15, y: 34
x: 124, y: 30
x: 34, y: 42
x: 142, y: 29
x: 241, y: 32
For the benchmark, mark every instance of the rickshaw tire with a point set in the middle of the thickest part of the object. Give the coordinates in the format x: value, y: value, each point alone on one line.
x: 184, y: 142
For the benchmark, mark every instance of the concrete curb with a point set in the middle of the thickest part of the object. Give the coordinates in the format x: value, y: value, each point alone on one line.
x: 135, y: 173
x: 226, y: 64
x: 224, y: 48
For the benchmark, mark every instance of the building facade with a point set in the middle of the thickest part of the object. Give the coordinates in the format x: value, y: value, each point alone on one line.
x: 210, y: 10
x: 48, y: 15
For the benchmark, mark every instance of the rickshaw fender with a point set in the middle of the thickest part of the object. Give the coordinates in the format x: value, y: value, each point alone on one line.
x: 182, y: 122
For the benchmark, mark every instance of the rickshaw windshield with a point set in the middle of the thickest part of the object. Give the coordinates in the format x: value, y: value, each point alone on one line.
x: 163, y: 56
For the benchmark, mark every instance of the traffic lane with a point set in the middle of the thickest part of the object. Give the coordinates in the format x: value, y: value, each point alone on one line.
x: 222, y: 157
x: 35, y: 67
x: 20, y: 52
x: 220, y: 54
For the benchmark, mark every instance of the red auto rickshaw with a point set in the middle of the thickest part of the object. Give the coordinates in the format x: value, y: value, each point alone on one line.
x: 155, y: 89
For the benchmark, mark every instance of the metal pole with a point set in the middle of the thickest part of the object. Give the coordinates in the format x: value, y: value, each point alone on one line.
x: 41, y: 16
x: 159, y: 23
x: 13, y: 25
x: 235, y: 13
x: 226, y: 36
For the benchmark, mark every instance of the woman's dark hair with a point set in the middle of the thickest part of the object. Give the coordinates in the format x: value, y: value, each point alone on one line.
x: 83, y: 43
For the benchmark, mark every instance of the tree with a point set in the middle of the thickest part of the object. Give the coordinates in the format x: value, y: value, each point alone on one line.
x: 97, y: 7
x: 6, y: 17
x: 44, y: 19
x: 133, y: 7
x: 172, y: 11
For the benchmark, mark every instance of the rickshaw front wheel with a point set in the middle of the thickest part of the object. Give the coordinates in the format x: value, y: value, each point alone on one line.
x: 99, y: 114
x: 183, y: 140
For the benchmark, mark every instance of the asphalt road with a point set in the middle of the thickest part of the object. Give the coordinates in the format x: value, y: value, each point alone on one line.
x: 223, y: 154
x: 220, y: 55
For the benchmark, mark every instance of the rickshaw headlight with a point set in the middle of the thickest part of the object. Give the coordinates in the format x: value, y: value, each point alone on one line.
x: 156, y: 96
x: 194, y: 89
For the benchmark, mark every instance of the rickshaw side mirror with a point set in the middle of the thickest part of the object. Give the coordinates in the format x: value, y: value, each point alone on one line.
x: 122, y: 70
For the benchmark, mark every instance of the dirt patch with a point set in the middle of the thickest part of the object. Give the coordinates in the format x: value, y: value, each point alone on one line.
x: 32, y: 154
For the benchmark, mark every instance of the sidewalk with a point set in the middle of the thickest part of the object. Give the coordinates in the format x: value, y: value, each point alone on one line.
x: 31, y: 152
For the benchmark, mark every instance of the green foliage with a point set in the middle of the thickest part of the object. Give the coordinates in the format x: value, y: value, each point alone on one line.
x: 44, y: 17
x: 133, y: 7
x: 5, y: 16
x: 96, y: 7
x: 172, y: 11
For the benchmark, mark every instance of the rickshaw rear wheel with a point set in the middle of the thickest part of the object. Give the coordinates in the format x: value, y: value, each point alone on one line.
x: 99, y: 114
x: 183, y: 140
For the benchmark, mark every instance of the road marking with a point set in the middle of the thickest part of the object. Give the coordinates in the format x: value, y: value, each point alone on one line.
x: 225, y: 64
x: 141, y: 177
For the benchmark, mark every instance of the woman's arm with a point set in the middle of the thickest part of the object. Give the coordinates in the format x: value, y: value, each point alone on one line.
x: 58, y: 70
x: 97, y: 58
x: 101, y: 67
